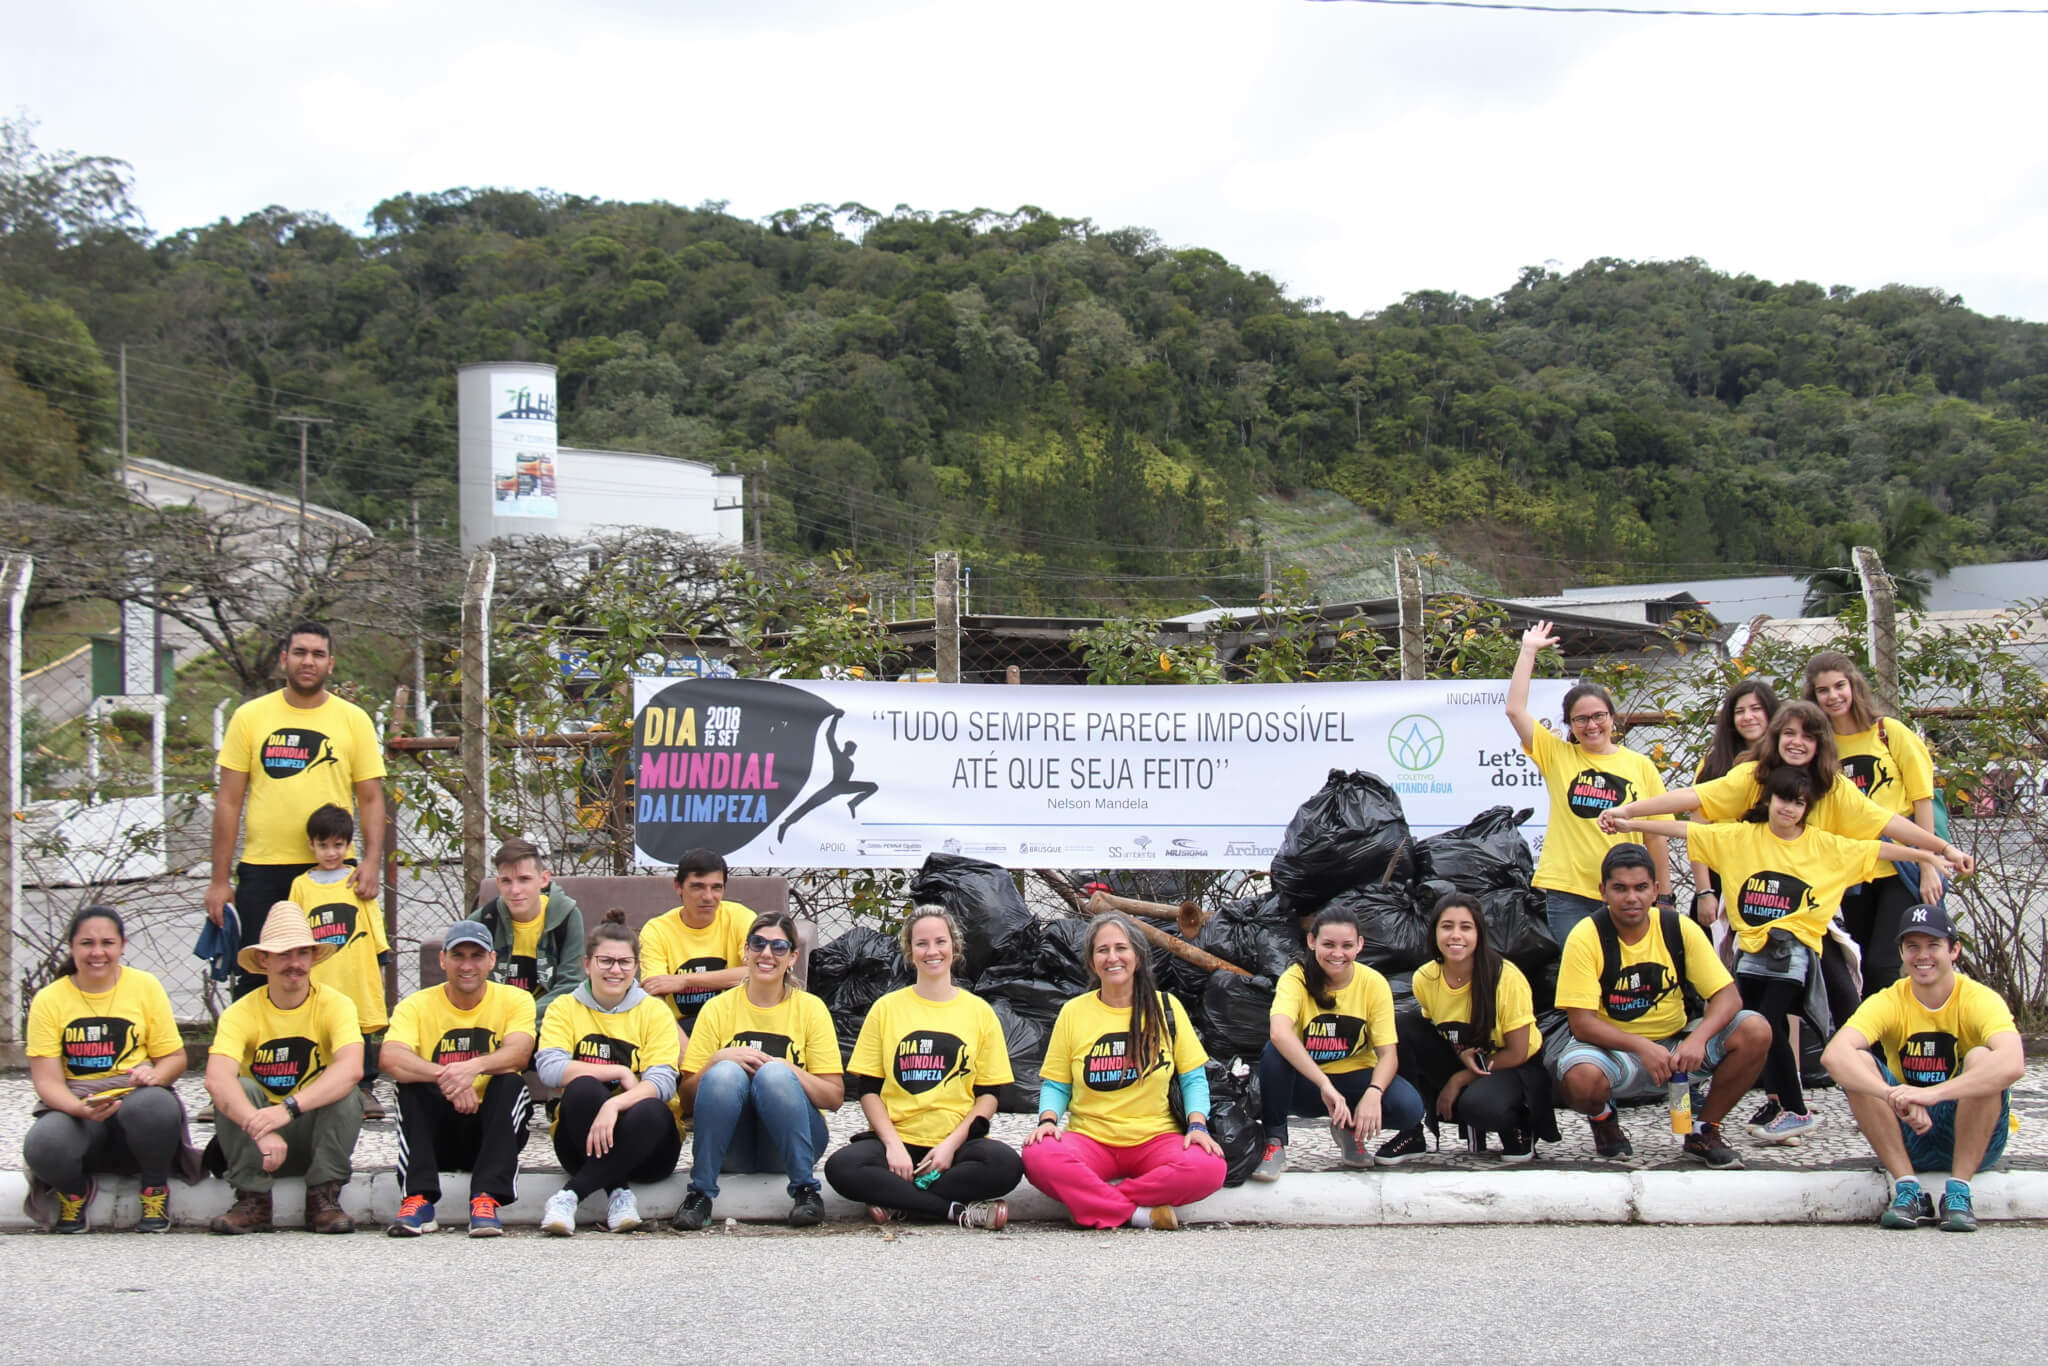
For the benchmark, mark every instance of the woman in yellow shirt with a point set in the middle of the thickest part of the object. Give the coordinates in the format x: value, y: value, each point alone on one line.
x: 1112, y: 1054
x: 1472, y: 1048
x: 927, y: 1066
x: 103, y: 1050
x: 1739, y: 726
x: 610, y: 1048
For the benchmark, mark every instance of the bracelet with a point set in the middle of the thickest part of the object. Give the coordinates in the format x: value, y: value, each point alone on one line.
x: 1375, y: 1086
x: 1709, y: 892
x: 291, y: 1106
x: 1053, y: 1120
x: 1201, y: 1124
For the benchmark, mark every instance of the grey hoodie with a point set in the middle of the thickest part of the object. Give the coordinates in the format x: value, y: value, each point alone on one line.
x: 550, y: 1063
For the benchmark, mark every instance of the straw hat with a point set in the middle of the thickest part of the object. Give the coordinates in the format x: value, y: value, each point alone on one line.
x: 284, y: 928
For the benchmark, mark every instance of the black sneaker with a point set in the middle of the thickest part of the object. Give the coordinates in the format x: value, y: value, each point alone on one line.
x: 1517, y: 1145
x: 695, y: 1213
x: 1704, y: 1142
x: 808, y: 1209
x: 1759, y: 1121
x: 1608, y: 1139
x: 1402, y: 1146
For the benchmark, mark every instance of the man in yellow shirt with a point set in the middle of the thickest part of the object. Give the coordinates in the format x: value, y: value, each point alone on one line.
x: 285, y: 754
x: 1942, y: 1099
x: 692, y: 953
x: 1627, y: 1009
x: 457, y: 1052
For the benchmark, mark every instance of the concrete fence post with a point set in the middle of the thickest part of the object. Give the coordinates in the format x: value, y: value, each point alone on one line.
x: 476, y: 736
x: 946, y: 614
x: 14, y: 579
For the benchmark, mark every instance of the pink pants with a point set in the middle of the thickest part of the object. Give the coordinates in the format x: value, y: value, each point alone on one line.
x: 1076, y: 1171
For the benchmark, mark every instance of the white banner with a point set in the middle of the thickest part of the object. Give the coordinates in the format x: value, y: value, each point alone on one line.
x: 523, y: 450
x: 857, y: 774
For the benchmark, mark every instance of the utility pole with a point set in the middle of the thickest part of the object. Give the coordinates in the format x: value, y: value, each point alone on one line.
x: 760, y: 503
x: 304, y: 422
x: 124, y: 415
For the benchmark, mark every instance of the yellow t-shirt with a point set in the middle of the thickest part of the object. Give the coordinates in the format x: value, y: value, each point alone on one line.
x: 1893, y: 772
x: 1581, y: 786
x: 298, y: 759
x: 1793, y: 885
x: 355, y: 927
x: 667, y: 945
x: 1449, y: 1008
x: 1119, y: 1099
x: 283, y: 1050
x: 1644, y: 997
x: 430, y: 1025
x: 523, y: 971
x: 103, y: 1034
x: 1842, y: 810
x: 1926, y: 1047
x: 642, y: 1038
x: 797, y: 1029
x: 930, y: 1056
x: 1347, y: 1036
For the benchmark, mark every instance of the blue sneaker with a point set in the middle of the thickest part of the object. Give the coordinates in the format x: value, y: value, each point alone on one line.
x: 1957, y: 1214
x: 483, y: 1217
x: 415, y: 1216
x: 1910, y: 1207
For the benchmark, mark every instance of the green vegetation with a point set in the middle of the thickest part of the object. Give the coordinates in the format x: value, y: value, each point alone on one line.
x: 1090, y: 416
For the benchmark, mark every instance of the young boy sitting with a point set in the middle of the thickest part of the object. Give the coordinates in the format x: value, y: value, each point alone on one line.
x: 355, y: 928
x: 537, y: 927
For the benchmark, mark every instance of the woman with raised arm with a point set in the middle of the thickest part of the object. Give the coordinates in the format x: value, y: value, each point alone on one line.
x: 103, y: 1050
x: 1586, y: 775
x: 1113, y: 1052
x: 1739, y: 726
x: 926, y: 1067
x: 610, y: 1048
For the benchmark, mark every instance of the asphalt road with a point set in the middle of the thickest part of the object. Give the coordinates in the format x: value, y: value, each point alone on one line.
x: 1492, y: 1294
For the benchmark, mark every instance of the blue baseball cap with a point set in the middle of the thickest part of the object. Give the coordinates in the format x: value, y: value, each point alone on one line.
x: 1931, y: 921
x: 467, y: 932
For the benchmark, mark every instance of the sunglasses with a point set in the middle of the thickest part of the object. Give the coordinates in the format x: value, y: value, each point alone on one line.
x: 781, y: 948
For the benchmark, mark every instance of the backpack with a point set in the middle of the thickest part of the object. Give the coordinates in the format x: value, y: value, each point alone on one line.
x: 1674, y: 944
x: 1940, y: 797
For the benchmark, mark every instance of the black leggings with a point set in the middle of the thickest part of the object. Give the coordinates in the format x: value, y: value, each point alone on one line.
x: 1872, y: 914
x: 1497, y: 1103
x: 983, y: 1169
x: 140, y: 1139
x: 645, y: 1144
x: 1778, y: 1000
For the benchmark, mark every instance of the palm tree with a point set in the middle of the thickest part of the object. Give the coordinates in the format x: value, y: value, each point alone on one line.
x: 1911, y: 544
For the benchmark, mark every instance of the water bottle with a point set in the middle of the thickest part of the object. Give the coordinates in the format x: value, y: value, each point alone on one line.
x: 1679, y: 1095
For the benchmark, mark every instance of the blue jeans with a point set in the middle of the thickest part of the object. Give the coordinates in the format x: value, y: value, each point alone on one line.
x: 754, y: 1123
x: 1284, y: 1091
x: 1566, y: 909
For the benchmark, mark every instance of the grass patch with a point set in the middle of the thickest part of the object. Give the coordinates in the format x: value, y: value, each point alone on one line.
x: 54, y: 632
x: 1349, y: 555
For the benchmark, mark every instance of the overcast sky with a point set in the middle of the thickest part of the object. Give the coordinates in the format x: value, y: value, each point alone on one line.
x: 1355, y: 152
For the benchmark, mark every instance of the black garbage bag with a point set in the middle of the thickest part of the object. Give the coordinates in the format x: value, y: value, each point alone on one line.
x: 1486, y: 854
x: 1518, y: 927
x: 1234, y: 1116
x: 1024, y: 1035
x: 1063, y: 955
x: 997, y: 925
x: 1253, y: 934
x: 1350, y: 834
x: 852, y: 973
x: 1402, y: 984
x: 1394, y: 928
x: 1237, y: 1013
x: 1429, y: 891
x: 1041, y: 984
x: 1543, y: 991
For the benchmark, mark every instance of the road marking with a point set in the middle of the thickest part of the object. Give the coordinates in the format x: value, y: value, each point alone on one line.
x: 55, y: 663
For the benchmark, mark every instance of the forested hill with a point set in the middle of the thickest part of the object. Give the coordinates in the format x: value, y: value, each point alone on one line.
x: 1079, y: 407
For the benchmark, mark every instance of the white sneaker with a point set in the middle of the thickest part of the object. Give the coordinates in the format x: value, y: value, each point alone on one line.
x: 622, y: 1215
x: 559, y: 1218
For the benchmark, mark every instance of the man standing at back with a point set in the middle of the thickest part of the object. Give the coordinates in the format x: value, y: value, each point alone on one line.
x: 690, y: 954
x: 286, y: 754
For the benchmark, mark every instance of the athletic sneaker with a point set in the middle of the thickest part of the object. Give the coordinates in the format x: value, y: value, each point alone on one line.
x: 1162, y: 1216
x: 372, y: 1107
x: 1957, y: 1214
x: 695, y: 1213
x: 1272, y: 1164
x: 1475, y: 1142
x: 483, y: 1218
x: 1705, y: 1143
x: 156, y: 1210
x: 1516, y: 1145
x: 992, y: 1215
x: 1757, y: 1122
x: 883, y: 1215
x: 1401, y: 1147
x: 558, y: 1217
x: 622, y: 1214
x: 71, y: 1211
x: 1787, y: 1125
x: 1608, y: 1139
x: 807, y: 1210
x: 1350, y: 1148
x: 1911, y: 1207
x: 415, y: 1216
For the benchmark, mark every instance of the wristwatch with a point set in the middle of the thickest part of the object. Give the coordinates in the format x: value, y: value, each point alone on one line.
x: 291, y: 1106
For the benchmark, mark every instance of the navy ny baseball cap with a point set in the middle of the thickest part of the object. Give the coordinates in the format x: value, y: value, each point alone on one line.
x: 1932, y: 921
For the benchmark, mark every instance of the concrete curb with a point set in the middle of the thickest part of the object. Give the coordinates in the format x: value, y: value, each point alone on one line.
x: 1301, y: 1198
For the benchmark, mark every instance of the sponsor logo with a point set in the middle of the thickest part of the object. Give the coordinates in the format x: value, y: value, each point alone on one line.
x: 1185, y: 849
x: 1027, y: 847
x: 965, y: 850
x: 1415, y: 742
x: 1249, y: 849
x: 874, y: 848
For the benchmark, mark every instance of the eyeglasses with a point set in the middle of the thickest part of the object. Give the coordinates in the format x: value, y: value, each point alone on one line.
x: 614, y: 964
x: 1587, y: 718
x: 781, y: 948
